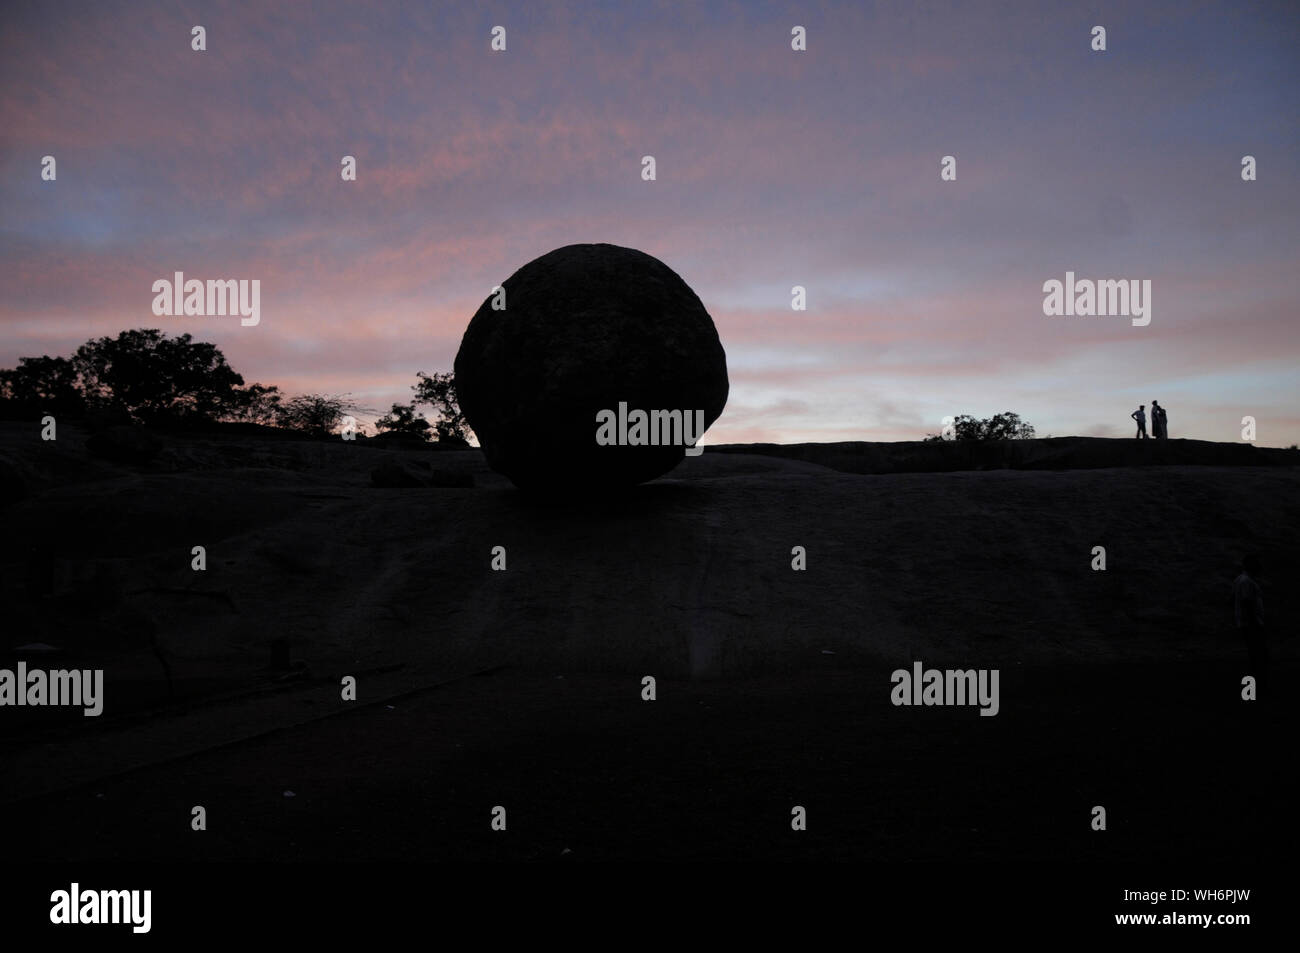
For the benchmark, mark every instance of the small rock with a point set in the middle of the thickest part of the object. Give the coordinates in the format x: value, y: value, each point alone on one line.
x: 37, y: 647
x: 396, y: 438
x: 401, y: 474
x: 450, y: 479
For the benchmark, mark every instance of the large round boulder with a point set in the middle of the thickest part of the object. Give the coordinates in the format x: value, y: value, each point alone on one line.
x: 591, y: 336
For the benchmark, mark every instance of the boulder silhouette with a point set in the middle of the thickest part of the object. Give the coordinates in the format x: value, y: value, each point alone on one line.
x: 586, y: 328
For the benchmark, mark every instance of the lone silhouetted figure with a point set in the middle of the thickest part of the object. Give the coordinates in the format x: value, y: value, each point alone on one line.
x: 1248, y: 606
x: 1140, y: 415
x: 1159, y: 422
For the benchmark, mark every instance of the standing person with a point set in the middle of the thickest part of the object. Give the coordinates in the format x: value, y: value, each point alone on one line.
x: 1158, y: 421
x: 1140, y: 415
x: 1248, y: 606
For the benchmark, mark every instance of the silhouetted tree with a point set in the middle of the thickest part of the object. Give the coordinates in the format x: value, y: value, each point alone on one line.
x: 439, y: 391
x: 155, y: 378
x: 317, y: 414
x: 1004, y: 426
x: 402, y: 419
x: 256, y: 404
x: 141, y: 375
x: 41, y: 385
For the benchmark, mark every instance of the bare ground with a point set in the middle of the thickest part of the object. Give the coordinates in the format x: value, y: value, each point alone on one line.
x: 1119, y: 687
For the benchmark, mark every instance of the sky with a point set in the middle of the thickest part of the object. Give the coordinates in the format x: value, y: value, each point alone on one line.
x: 774, y: 168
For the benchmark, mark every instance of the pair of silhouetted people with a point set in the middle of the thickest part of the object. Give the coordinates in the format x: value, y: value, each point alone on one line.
x: 1248, y: 607
x: 1159, y: 421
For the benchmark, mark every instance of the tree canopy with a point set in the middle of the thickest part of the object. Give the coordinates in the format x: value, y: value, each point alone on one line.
x: 1003, y: 426
x: 148, y: 377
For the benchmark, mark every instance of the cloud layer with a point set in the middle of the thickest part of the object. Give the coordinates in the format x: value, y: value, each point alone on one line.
x: 775, y: 169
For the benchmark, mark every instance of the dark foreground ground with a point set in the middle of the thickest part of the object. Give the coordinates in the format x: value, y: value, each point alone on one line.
x: 711, y: 770
x: 1118, y: 688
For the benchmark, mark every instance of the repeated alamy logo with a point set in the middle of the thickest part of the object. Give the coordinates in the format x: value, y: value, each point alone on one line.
x: 75, y: 906
x: 932, y: 686
x: 59, y: 687
x: 219, y: 296
x: 1128, y: 297
x: 652, y: 428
